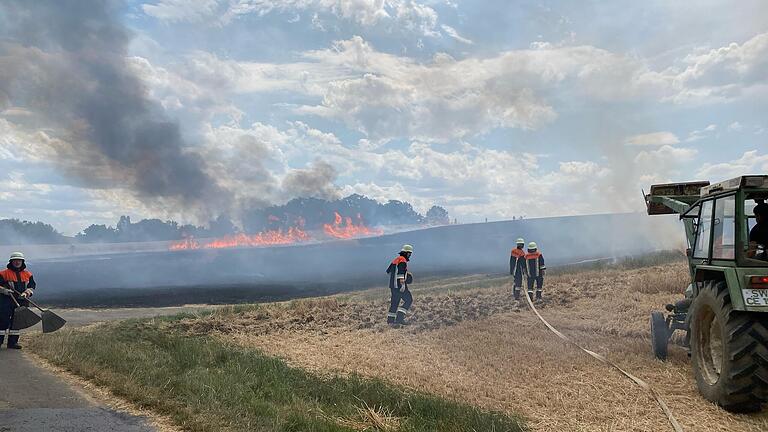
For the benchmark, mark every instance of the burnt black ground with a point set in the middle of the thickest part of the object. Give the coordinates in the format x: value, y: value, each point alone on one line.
x: 218, y: 276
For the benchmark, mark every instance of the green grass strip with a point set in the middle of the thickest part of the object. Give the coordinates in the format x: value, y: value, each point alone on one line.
x: 204, y: 385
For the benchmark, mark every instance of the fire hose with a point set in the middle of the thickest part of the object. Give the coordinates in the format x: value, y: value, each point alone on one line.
x: 642, y: 384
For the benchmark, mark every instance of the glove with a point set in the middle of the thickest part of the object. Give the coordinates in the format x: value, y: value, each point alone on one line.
x: 6, y: 291
x: 27, y: 293
x: 402, y: 289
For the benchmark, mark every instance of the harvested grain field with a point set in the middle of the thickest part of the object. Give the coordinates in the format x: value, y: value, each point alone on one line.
x: 470, y: 341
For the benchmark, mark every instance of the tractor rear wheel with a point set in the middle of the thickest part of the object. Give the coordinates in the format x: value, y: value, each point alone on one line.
x: 729, y: 351
x: 659, y: 335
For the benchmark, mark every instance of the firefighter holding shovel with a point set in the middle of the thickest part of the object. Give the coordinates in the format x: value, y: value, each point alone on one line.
x: 18, y: 285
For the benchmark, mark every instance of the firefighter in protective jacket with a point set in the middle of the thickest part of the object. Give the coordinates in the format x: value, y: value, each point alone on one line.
x: 517, y: 267
x: 16, y: 281
x: 399, y: 278
x: 535, y: 269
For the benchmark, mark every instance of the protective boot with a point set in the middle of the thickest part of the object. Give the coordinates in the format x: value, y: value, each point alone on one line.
x: 530, y: 295
x: 13, y: 342
x: 400, y: 318
x: 2, y: 338
x: 516, y: 293
x: 538, y: 295
x: 391, y: 318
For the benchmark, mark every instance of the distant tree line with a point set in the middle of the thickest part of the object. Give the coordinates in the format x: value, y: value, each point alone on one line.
x: 313, y: 213
x: 14, y: 231
x: 308, y: 213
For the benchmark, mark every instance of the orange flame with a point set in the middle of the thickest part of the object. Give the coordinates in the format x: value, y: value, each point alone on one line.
x: 265, y: 238
x: 186, y: 243
x: 345, y: 228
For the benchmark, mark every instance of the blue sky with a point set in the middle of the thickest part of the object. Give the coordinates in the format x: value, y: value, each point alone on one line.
x: 491, y: 109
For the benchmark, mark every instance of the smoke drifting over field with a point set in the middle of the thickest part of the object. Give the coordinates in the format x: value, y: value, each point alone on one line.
x: 237, y: 275
x: 65, y: 62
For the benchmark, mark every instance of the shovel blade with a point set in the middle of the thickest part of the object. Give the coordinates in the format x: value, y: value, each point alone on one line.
x: 52, y: 322
x: 24, y: 318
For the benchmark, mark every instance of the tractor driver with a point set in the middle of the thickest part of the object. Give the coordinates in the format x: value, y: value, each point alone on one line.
x: 758, y: 236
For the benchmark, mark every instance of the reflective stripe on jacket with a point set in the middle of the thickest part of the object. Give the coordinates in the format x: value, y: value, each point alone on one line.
x: 535, y: 261
x: 517, y: 262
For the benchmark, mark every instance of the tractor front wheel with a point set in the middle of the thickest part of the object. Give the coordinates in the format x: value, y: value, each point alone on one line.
x: 729, y: 351
x: 659, y: 335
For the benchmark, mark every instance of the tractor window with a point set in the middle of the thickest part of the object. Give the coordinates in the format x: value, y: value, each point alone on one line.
x: 724, y: 226
x: 703, y: 233
x: 749, y: 212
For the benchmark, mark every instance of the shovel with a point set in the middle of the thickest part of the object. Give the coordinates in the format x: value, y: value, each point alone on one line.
x: 23, y: 317
x: 51, y: 321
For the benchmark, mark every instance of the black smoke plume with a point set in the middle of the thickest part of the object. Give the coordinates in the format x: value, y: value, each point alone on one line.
x: 65, y: 61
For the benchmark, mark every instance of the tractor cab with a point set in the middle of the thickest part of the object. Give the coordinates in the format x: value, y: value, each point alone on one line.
x: 721, y: 222
x: 725, y: 310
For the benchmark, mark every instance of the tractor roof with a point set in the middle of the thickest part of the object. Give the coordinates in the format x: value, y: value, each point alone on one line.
x: 753, y: 181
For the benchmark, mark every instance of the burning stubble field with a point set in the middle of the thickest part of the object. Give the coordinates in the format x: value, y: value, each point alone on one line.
x: 470, y: 342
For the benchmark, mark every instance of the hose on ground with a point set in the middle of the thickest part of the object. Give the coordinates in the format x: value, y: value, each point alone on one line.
x: 644, y: 385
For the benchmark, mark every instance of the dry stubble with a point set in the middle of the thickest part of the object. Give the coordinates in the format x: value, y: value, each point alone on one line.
x: 481, y: 347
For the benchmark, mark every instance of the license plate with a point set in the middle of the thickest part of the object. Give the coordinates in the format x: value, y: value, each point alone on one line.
x: 755, y: 297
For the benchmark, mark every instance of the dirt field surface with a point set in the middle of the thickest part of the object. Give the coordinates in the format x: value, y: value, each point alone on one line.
x: 469, y: 340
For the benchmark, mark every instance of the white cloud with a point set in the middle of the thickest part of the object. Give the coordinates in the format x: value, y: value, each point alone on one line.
x: 653, y: 139
x: 386, y: 96
x: 745, y: 63
x: 193, y: 93
x: 663, y: 162
x: 20, y: 145
x: 450, y: 31
x: 182, y: 10
x: 723, y: 73
x: 446, y: 99
x: 700, y: 134
x: 404, y: 14
x: 736, y: 126
x: 751, y: 162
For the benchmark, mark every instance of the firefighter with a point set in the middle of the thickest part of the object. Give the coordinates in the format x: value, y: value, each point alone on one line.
x: 16, y: 281
x: 399, y: 278
x: 517, y: 267
x: 535, y: 270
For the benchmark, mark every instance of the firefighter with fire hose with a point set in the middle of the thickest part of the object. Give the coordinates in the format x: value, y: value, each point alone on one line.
x: 18, y: 282
x: 517, y: 267
x: 399, y: 278
x: 535, y: 269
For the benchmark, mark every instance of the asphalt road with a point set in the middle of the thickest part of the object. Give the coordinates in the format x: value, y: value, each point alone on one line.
x: 33, y: 399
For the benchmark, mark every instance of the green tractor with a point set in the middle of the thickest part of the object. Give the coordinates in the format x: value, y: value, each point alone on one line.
x: 725, y: 310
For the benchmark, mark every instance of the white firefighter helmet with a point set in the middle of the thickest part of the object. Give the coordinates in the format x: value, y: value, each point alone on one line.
x: 532, y: 245
x: 16, y: 255
x: 407, y: 248
x: 520, y: 241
